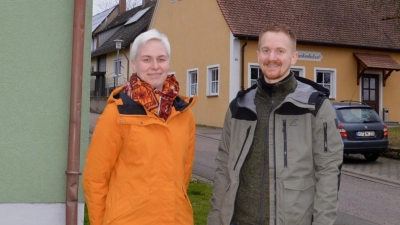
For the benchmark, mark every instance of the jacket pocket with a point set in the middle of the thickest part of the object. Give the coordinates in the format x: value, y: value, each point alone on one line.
x: 241, y: 150
x: 284, y: 144
x: 298, y: 198
x: 325, y: 137
x: 122, y: 205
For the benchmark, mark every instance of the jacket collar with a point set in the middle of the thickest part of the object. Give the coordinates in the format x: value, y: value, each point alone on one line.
x: 304, y: 95
x: 130, y: 107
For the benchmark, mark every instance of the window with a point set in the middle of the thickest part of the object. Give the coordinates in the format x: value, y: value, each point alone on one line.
x: 117, y: 67
x: 192, y: 82
x: 213, y: 80
x: 327, y: 79
x: 358, y: 115
x: 101, y: 63
x: 255, y: 73
x: 94, y: 44
x: 298, y: 71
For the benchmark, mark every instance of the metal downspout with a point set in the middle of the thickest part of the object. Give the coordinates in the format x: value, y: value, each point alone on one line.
x: 127, y: 66
x: 75, y: 113
x: 242, y: 81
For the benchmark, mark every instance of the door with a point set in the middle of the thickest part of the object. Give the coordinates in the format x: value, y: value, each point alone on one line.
x: 370, y: 90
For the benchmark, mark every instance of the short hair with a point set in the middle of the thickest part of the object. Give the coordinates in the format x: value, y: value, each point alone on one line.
x: 276, y: 27
x: 144, y: 37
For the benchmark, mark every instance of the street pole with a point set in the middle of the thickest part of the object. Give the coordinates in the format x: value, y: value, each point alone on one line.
x: 118, y: 66
x: 118, y: 43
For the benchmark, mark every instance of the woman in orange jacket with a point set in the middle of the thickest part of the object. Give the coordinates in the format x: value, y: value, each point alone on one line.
x: 140, y: 159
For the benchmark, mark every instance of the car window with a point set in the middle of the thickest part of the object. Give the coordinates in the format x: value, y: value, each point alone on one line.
x: 358, y: 115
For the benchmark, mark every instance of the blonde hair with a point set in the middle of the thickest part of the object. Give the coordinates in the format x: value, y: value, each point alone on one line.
x: 276, y: 27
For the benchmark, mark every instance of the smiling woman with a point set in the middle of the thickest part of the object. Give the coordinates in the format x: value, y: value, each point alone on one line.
x: 141, y: 155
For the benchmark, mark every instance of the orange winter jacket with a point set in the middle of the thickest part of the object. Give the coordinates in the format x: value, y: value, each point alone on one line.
x: 138, y: 167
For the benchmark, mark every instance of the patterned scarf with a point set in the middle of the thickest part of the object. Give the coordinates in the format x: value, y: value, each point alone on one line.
x: 154, y: 100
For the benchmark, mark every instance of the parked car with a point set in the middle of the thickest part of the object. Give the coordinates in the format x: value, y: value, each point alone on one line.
x: 361, y: 128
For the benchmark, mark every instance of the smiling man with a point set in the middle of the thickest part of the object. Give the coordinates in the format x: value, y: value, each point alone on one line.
x: 276, y: 53
x: 280, y: 153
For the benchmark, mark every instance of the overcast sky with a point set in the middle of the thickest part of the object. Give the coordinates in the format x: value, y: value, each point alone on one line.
x: 96, y: 8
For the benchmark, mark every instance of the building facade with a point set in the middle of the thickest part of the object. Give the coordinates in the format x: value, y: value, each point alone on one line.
x: 344, y: 46
x: 36, y: 52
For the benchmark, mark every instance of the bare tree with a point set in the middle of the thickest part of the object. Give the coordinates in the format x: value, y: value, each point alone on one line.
x: 106, y: 4
x: 390, y: 7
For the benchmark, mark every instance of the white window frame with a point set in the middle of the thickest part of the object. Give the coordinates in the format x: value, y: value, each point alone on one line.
x: 333, y: 79
x: 210, y: 80
x: 116, y: 67
x: 251, y: 66
x: 301, y: 69
x: 190, y: 84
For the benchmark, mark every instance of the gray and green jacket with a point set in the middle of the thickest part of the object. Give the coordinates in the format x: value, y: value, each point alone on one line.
x: 305, y: 157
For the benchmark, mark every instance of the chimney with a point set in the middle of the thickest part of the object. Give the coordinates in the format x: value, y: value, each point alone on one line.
x: 122, y: 6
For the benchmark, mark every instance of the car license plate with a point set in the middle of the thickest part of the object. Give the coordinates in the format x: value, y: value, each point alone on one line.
x: 365, y: 133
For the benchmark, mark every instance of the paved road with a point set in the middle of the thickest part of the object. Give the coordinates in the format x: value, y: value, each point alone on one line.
x: 372, y: 201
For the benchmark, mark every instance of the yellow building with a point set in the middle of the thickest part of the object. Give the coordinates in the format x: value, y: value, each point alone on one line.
x: 343, y: 45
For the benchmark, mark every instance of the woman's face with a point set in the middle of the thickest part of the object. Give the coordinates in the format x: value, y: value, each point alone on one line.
x: 152, y: 63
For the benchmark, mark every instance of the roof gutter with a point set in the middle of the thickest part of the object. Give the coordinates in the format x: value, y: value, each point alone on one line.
x: 242, y: 62
x: 347, y: 46
x: 127, y: 65
x: 305, y: 42
x: 75, y: 113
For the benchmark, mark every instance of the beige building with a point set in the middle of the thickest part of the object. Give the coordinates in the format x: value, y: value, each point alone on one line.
x: 344, y: 46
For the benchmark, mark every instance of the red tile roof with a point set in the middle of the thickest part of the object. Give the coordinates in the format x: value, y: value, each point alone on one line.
x: 374, y: 61
x: 353, y: 23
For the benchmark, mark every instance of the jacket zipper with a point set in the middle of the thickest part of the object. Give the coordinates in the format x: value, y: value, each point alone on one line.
x: 275, y: 201
x: 325, y: 137
x: 241, y: 150
x: 284, y: 143
x: 265, y: 175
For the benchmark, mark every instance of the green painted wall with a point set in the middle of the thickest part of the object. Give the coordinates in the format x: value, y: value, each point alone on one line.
x: 35, y: 76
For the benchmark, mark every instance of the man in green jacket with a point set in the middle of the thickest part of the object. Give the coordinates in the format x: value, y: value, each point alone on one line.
x: 280, y: 153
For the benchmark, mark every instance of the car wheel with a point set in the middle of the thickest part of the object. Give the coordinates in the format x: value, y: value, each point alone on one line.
x: 371, y: 157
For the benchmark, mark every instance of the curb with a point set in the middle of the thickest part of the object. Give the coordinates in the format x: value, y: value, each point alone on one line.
x: 370, y: 177
x: 202, y: 179
x: 207, y: 136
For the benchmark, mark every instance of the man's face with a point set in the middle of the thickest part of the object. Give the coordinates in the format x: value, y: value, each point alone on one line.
x: 152, y: 63
x: 275, y: 56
